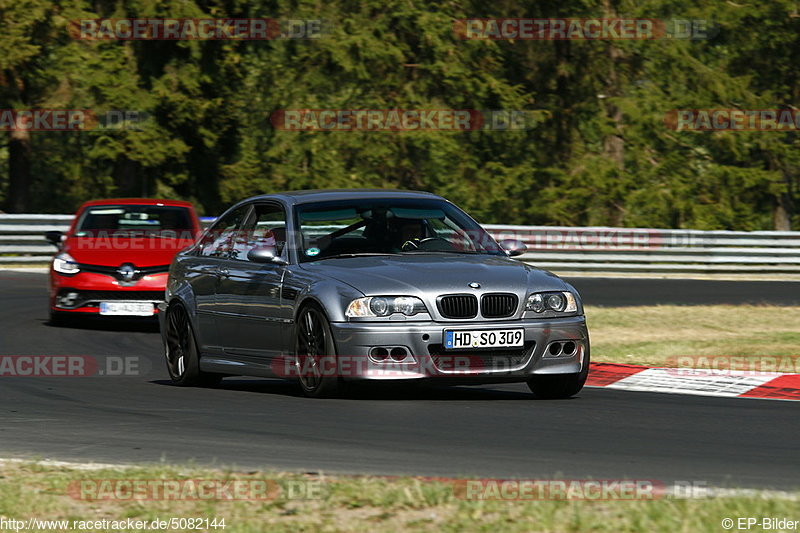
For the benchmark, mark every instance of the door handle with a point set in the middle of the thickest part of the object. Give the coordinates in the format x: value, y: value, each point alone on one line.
x: 223, y: 272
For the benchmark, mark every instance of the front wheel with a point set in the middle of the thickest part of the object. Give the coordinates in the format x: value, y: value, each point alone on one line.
x: 315, y: 355
x: 183, y: 360
x: 560, y: 386
x: 59, y: 318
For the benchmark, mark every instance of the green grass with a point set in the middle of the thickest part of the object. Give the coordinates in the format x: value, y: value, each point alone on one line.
x: 653, y: 335
x: 366, y: 504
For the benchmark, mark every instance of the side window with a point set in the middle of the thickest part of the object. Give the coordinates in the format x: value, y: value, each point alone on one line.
x: 266, y: 227
x: 219, y: 240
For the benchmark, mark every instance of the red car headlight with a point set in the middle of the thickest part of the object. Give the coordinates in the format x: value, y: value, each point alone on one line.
x: 64, y: 263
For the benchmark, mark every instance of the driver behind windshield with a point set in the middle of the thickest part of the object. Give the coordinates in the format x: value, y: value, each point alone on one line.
x: 342, y: 229
x: 390, y: 234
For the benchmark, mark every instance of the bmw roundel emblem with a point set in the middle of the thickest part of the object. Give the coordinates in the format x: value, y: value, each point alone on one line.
x: 475, y: 285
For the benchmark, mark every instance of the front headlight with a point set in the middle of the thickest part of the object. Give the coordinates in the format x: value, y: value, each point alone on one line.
x: 561, y: 302
x: 377, y: 306
x: 63, y: 263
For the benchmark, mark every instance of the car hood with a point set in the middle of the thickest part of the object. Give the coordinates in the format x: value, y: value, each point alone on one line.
x: 416, y: 275
x: 142, y: 252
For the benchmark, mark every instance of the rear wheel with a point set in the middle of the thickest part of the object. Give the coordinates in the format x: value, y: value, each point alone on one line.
x: 559, y: 386
x: 315, y: 355
x: 183, y: 360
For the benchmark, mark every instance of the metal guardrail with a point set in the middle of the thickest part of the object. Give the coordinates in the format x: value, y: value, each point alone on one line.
x: 576, y: 249
x: 606, y: 249
x: 22, y: 237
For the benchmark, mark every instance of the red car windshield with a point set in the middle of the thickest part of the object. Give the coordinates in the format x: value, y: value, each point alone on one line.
x: 130, y: 220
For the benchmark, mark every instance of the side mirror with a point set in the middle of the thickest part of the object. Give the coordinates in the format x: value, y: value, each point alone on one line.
x: 54, y: 237
x: 264, y: 254
x: 513, y: 247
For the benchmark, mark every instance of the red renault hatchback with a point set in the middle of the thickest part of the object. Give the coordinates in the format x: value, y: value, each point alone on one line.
x: 115, y: 257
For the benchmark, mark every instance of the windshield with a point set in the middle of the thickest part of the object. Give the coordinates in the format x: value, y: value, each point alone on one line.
x: 128, y: 220
x: 388, y: 226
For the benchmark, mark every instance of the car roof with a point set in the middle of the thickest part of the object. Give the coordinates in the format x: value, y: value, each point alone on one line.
x: 321, y: 195
x: 137, y: 201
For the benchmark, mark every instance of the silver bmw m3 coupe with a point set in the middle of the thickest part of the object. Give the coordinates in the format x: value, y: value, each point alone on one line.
x: 332, y: 286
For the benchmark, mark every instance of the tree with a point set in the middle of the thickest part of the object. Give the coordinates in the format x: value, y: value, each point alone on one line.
x: 25, y: 28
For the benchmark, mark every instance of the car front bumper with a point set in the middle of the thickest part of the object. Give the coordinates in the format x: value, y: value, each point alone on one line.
x: 89, y: 289
x: 356, y: 341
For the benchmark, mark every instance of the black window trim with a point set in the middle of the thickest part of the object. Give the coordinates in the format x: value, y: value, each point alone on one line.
x: 246, y: 218
x: 250, y: 218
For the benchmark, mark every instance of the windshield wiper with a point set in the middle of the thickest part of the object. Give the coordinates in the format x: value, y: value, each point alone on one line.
x: 470, y: 252
x: 170, y: 236
x: 358, y: 254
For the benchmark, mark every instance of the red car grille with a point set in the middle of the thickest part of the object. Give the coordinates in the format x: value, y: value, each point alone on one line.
x: 113, y: 271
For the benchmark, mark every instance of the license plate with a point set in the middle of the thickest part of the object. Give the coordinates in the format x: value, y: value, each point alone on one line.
x: 484, y: 338
x: 126, y: 308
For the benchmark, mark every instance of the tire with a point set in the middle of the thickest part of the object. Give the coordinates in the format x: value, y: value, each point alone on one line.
x: 60, y: 319
x: 181, y: 354
x: 560, y: 386
x: 315, y: 355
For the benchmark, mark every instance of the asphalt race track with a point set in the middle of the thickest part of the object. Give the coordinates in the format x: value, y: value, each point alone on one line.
x: 619, y: 292
x: 492, y: 431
